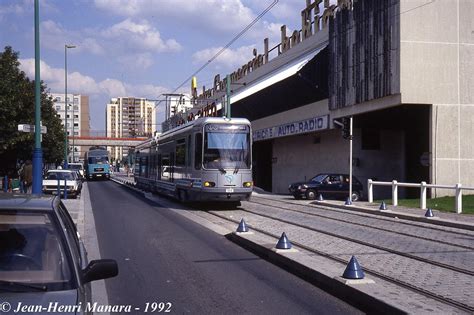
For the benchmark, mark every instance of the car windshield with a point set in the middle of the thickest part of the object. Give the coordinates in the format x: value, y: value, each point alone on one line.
x: 98, y: 159
x: 32, y: 253
x: 318, y: 178
x: 75, y: 167
x: 226, y: 147
x: 60, y: 175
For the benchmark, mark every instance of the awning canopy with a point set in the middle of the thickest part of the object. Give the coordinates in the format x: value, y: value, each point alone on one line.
x: 302, y: 82
x: 273, y: 77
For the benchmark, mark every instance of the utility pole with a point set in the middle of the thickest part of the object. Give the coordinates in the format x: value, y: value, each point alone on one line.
x: 37, y: 153
x: 350, y: 158
x: 227, y: 111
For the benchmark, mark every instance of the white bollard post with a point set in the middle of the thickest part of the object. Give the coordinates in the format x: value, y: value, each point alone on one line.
x: 394, y: 193
x: 370, y: 192
x: 458, y: 200
x: 423, y: 195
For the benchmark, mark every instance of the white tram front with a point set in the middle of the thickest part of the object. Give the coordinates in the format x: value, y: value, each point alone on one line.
x: 207, y: 159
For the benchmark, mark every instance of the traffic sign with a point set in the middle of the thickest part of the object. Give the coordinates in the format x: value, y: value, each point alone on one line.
x: 31, y: 128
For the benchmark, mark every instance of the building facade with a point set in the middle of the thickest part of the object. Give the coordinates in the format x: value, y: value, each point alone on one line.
x: 129, y: 117
x: 403, y: 69
x: 77, y: 120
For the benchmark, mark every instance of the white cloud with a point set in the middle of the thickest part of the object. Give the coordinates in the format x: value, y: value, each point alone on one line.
x: 229, y: 59
x: 215, y: 15
x: 83, y: 84
x: 140, y: 36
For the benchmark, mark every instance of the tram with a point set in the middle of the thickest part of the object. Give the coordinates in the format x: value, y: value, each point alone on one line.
x: 207, y: 159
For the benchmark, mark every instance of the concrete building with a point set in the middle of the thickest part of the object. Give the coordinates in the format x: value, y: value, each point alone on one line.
x: 78, y: 119
x: 129, y: 117
x: 403, y: 69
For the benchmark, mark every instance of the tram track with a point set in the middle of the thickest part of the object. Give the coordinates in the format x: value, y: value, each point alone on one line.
x: 322, y: 207
x: 368, y: 270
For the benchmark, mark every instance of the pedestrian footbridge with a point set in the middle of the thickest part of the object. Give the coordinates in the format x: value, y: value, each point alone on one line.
x: 105, y: 141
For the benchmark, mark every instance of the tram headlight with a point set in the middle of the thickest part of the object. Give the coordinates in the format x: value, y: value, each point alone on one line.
x: 248, y: 184
x: 209, y: 184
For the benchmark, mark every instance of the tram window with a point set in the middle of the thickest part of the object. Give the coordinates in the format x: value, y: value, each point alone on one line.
x: 188, y: 151
x: 165, y: 167
x: 198, y: 151
x: 180, y: 152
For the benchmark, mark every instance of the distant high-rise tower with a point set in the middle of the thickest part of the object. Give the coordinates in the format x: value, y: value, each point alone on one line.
x: 129, y: 117
x: 78, y: 119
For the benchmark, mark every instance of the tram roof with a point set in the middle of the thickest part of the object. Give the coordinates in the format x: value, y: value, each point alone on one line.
x: 189, y: 125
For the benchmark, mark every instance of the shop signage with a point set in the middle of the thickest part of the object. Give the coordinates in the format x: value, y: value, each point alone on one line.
x: 293, y: 128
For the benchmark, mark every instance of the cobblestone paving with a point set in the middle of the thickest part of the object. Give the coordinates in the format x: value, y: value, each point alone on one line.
x: 446, y: 252
x: 440, y: 281
x: 403, y: 298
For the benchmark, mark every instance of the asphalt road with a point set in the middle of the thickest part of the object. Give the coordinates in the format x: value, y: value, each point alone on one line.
x: 165, y: 258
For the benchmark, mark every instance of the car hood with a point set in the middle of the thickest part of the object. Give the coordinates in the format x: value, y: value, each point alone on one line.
x: 47, y: 300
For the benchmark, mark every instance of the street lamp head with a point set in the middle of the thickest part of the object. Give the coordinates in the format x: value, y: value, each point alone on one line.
x: 70, y: 46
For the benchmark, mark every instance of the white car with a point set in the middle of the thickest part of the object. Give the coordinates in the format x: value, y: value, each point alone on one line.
x: 77, y: 167
x: 55, y: 178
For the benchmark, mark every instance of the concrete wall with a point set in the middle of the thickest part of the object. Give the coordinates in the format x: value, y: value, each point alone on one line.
x: 437, y: 67
x: 299, y: 158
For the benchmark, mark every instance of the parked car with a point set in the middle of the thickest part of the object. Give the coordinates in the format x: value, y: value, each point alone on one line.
x: 78, y: 167
x: 42, y: 257
x: 329, y: 186
x: 68, y: 177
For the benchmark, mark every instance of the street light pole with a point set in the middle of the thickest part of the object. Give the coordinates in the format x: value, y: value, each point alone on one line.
x: 73, y: 148
x: 66, y: 149
x: 37, y: 153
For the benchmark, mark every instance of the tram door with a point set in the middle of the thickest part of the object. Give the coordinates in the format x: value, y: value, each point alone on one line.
x: 262, y: 164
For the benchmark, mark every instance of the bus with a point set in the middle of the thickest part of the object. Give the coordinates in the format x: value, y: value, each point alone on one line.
x: 96, y: 163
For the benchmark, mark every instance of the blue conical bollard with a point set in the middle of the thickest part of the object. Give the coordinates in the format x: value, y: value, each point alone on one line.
x: 383, y: 206
x: 348, y: 201
x: 283, y: 242
x: 429, y: 213
x: 242, y: 227
x: 353, y: 270
x: 320, y: 197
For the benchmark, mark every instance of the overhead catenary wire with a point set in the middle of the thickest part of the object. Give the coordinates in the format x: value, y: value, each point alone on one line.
x: 236, y: 37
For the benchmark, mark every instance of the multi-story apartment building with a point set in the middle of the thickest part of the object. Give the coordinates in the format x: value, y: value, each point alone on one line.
x: 77, y: 120
x: 129, y: 117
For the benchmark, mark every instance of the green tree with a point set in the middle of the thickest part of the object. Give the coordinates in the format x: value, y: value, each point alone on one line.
x: 17, y: 106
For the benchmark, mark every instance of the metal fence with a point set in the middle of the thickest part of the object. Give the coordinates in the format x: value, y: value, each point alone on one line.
x: 423, y: 186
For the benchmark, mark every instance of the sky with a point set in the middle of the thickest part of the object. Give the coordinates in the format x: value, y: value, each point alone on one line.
x: 139, y: 48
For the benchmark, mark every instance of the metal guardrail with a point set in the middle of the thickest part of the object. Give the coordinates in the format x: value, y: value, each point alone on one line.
x: 423, y: 186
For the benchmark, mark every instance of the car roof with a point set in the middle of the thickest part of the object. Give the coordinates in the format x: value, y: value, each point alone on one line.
x: 27, y: 202
x: 60, y: 171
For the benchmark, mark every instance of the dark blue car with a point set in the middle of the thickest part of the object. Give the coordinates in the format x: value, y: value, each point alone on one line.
x: 330, y: 186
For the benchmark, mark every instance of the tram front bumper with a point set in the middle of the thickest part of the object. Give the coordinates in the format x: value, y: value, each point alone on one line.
x: 226, y: 194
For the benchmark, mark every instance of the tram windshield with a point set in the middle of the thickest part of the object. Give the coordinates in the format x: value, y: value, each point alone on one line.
x: 226, y: 146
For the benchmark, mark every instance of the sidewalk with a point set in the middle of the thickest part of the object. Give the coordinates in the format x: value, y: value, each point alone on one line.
x: 80, y: 210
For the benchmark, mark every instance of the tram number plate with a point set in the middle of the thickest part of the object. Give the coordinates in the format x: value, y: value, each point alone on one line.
x: 229, y: 190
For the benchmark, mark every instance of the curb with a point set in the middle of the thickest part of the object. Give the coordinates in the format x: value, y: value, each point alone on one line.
x: 334, y: 286
x: 399, y: 215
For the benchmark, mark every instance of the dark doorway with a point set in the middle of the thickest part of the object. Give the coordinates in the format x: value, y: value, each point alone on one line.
x: 262, y: 164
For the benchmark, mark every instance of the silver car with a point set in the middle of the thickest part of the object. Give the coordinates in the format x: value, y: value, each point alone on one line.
x: 43, y: 262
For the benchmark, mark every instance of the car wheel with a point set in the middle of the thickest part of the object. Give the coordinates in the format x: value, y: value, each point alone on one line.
x: 311, y: 194
x: 297, y: 197
x: 355, y: 196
